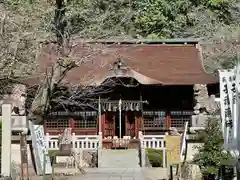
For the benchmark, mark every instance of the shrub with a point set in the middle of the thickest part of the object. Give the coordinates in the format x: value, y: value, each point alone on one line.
x: 211, y: 154
x: 155, y: 157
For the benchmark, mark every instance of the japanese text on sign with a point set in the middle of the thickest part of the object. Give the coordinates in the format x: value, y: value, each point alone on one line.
x: 173, y: 149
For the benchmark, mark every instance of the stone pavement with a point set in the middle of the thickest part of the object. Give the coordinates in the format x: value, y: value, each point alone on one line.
x: 121, y: 165
x: 115, y: 165
x: 111, y: 174
x: 107, y: 174
x: 122, y: 174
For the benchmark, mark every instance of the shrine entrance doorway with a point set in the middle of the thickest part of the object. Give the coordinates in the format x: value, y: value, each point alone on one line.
x: 131, y: 123
x: 120, y: 125
x: 121, y: 120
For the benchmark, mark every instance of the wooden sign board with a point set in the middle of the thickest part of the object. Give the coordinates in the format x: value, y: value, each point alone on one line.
x: 39, y: 149
x: 173, y: 149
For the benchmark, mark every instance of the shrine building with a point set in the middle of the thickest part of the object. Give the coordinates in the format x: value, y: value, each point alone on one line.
x: 153, y: 90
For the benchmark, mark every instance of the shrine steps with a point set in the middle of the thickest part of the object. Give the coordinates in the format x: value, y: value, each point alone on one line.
x: 109, y: 144
x: 119, y: 158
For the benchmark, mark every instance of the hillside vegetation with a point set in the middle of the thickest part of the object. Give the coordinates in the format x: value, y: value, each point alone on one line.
x: 215, y: 22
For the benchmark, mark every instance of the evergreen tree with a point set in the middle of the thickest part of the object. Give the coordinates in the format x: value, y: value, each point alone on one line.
x: 211, y: 154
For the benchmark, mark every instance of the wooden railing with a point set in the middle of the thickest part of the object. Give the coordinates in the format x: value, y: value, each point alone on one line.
x: 80, y: 142
x: 161, y: 120
x: 159, y: 142
x: 86, y: 120
x: 178, y: 118
x: 153, y: 123
x: 153, y: 141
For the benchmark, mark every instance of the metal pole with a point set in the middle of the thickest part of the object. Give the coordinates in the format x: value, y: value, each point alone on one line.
x: 171, y: 172
x: 99, y: 116
x: 120, y: 119
x: 44, y: 166
x: 53, y: 172
x: 22, y: 156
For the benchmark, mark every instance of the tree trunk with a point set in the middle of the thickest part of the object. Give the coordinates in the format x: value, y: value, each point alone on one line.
x: 42, y: 98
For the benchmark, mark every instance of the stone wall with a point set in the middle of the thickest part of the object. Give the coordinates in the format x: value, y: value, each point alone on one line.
x: 192, y: 150
x: 191, y: 172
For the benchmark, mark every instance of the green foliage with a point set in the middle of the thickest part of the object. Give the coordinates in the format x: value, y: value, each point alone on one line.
x: 161, y: 17
x: 211, y: 154
x: 167, y: 18
x: 155, y: 157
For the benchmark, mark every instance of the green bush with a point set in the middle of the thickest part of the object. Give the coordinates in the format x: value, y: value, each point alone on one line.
x: 211, y: 154
x: 155, y: 157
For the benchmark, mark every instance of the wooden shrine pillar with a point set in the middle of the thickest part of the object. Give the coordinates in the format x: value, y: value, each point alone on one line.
x: 130, y: 124
x: 108, y: 124
x: 127, y: 125
x: 138, y: 124
x: 71, y: 124
x: 102, y: 119
x: 168, y: 122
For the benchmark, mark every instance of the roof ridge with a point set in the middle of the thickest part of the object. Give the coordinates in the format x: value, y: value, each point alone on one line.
x: 140, y: 41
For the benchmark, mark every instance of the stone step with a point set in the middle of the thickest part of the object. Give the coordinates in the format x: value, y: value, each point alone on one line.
x: 119, y: 158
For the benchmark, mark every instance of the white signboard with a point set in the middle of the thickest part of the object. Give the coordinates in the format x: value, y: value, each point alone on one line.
x: 228, y: 106
x: 237, y: 112
x: 39, y: 149
x: 183, y: 141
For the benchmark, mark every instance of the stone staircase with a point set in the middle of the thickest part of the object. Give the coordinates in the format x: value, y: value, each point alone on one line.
x: 123, y: 165
x: 119, y: 158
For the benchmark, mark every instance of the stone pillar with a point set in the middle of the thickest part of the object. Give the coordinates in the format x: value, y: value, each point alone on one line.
x: 6, y: 140
x: 142, y: 150
x: 200, y: 104
x: 99, y: 150
x: 200, y: 98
